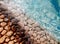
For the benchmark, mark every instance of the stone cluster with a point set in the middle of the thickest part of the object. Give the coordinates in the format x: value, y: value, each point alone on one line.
x: 36, y: 33
x: 10, y: 31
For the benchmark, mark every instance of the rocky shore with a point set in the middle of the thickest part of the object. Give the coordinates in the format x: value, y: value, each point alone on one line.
x: 37, y: 34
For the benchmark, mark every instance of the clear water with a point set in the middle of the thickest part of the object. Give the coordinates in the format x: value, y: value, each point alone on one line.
x: 46, y: 12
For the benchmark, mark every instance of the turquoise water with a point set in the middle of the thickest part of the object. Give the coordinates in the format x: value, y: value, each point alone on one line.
x: 45, y: 12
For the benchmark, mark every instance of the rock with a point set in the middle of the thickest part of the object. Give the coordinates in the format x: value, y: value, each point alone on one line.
x: 2, y: 39
x: 1, y: 20
x: 6, y: 19
x: 3, y: 32
x: 11, y: 42
x: 26, y: 28
x: 12, y: 37
x: 29, y: 21
x: 2, y: 16
x: 34, y: 34
x: 7, y: 27
x: 7, y: 40
x: 9, y: 33
x: 3, y: 24
x: 1, y: 28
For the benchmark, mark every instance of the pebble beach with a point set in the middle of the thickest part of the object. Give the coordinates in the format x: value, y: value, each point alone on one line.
x: 37, y: 34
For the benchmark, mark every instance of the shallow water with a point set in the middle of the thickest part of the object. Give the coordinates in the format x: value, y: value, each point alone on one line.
x: 45, y: 12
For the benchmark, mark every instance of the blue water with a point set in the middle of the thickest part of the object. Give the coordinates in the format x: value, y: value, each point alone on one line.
x: 45, y: 12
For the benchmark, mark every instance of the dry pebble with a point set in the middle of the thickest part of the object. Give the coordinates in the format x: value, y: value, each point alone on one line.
x: 3, y: 32
x: 3, y: 24
x: 11, y: 42
x: 11, y: 32
x: 12, y: 37
x: 6, y: 19
x: 1, y: 16
x: 27, y: 28
x: 2, y: 39
x: 5, y: 43
x: 1, y: 28
x: 7, y: 40
x: 1, y: 20
x: 7, y: 27
x: 29, y: 21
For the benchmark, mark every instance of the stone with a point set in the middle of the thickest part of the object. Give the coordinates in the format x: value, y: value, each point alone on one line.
x: 7, y: 28
x: 2, y: 39
x: 7, y: 40
x: 1, y: 20
x: 2, y: 16
x: 29, y: 21
x: 3, y: 32
x: 26, y: 28
x: 34, y: 34
x: 9, y: 33
x: 1, y: 28
x: 11, y: 42
x: 3, y: 24
x: 12, y: 37
x: 6, y: 19
x: 42, y: 39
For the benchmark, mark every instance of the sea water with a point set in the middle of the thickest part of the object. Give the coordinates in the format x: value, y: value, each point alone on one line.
x: 45, y: 12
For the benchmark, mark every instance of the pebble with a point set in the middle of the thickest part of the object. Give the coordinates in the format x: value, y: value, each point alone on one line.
x: 29, y: 25
x: 34, y: 34
x: 3, y: 24
x: 3, y: 32
x: 37, y: 29
x: 9, y: 23
x: 16, y: 43
x: 21, y: 24
x: 42, y: 39
x: 7, y: 40
x: 2, y: 16
x: 15, y: 40
x: 6, y: 19
x: 25, y: 23
x: 9, y: 33
x: 38, y: 41
x: 12, y: 37
x: 1, y: 28
x: 11, y: 42
x: 29, y: 21
x: 32, y: 38
x: 52, y: 41
x: 2, y: 39
x: 35, y: 43
x: 1, y: 20
x: 35, y: 25
x: 48, y: 37
x: 25, y: 18
x: 30, y: 32
x: 7, y: 27
x: 45, y: 37
x: 35, y: 38
x: 22, y: 15
x: 38, y: 37
x: 26, y: 28
x: 5, y: 43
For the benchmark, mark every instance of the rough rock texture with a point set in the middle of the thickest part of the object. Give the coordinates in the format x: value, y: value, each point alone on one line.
x: 37, y: 34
